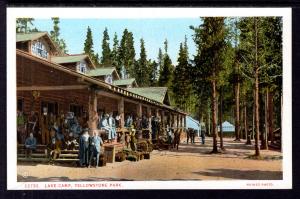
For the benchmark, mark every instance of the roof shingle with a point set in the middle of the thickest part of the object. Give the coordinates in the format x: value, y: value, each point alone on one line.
x: 122, y: 82
x: 29, y: 36
x: 101, y: 71
x: 155, y: 93
x: 68, y: 59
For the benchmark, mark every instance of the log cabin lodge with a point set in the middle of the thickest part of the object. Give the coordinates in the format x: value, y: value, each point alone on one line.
x: 49, y: 80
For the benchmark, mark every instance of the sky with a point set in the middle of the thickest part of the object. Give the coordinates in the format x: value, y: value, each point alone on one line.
x: 153, y: 31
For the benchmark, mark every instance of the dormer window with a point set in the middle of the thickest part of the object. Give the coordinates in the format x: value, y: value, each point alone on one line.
x: 81, y: 67
x: 109, y: 79
x: 39, y: 49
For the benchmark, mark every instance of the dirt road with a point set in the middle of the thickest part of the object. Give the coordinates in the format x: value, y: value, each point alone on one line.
x: 190, y: 162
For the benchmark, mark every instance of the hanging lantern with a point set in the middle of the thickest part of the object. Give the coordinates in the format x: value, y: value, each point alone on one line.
x: 36, y: 94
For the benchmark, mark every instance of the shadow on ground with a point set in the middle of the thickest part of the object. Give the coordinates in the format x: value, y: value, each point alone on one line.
x: 64, y: 178
x: 242, y: 174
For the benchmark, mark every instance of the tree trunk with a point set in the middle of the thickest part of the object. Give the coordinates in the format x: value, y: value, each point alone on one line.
x: 281, y: 101
x: 270, y: 117
x: 237, y: 111
x: 256, y: 102
x: 253, y: 117
x: 209, y: 125
x: 221, y: 120
x: 264, y: 144
x: 242, y: 133
x: 214, y: 114
x: 248, y: 136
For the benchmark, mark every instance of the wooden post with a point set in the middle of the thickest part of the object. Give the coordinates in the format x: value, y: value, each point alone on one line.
x: 163, y: 118
x: 184, y: 122
x: 139, y: 110
x: 149, y: 112
x: 121, y: 111
x: 173, y: 121
x: 93, y: 110
x: 181, y: 120
x: 156, y: 113
x: 169, y: 119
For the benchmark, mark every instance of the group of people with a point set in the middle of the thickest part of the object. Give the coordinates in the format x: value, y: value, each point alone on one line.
x: 55, y: 131
x: 89, y: 148
x: 45, y: 126
x: 191, y: 134
x: 108, y: 123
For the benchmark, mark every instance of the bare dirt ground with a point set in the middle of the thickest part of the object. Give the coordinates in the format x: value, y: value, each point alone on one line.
x: 190, y: 162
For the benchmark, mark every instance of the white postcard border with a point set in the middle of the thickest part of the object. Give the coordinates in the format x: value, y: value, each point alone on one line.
x: 13, y: 13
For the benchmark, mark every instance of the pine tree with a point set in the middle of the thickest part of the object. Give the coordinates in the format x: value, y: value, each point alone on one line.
x: 131, y: 54
x: 272, y: 73
x: 210, y: 40
x: 55, y: 33
x: 106, y: 53
x: 166, y: 46
x: 181, y: 82
x: 255, y: 40
x: 160, y: 59
x: 115, y: 58
x: 127, y: 53
x: 25, y: 25
x: 236, y: 84
x: 165, y: 77
x: 89, y: 46
x: 153, y: 72
x: 141, y: 68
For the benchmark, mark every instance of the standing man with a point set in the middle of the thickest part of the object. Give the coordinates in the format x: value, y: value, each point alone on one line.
x: 95, y: 144
x: 112, y: 126
x: 84, y: 148
x: 203, y: 137
x: 169, y: 132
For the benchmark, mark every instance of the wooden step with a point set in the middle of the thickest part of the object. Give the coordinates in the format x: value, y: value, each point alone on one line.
x: 34, y: 155
x: 33, y: 159
x: 68, y: 155
x: 69, y: 151
x: 36, y: 151
x: 66, y: 160
x: 39, y: 146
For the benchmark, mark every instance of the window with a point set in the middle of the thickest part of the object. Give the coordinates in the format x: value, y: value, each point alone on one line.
x: 39, y: 49
x: 81, y: 67
x: 76, y: 109
x: 52, y: 107
x: 108, y: 79
x: 20, y: 105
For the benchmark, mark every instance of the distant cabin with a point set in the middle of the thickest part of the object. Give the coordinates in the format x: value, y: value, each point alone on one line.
x: 228, y: 129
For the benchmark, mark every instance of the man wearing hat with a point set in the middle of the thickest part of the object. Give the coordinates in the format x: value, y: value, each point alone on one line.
x: 95, y: 143
x: 84, y: 148
x: 112, y: 127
